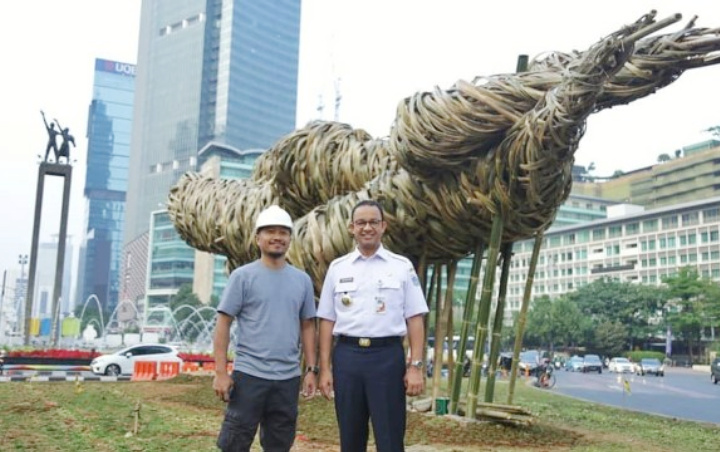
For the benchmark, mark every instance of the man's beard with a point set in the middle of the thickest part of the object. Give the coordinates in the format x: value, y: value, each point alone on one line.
x: 276, y: 254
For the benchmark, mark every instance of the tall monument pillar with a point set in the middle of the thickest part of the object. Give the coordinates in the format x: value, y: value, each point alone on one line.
x: 64, y: 171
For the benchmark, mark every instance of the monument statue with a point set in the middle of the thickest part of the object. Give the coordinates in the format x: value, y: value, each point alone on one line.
x: 52, y: 137
x: 65, y: 145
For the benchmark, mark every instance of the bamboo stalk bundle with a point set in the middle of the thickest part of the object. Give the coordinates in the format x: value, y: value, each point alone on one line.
x: 454, y: 159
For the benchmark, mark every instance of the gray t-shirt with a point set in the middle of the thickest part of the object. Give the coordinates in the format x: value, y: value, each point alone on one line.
x: 268, y: 306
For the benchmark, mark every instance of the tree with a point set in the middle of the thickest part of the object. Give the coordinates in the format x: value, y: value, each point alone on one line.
x: 664, y: 157
x: 555, y: 322
x: 610, y: 338
x: 635, y: 306
x: 616, y: 174
x: 692, y: 302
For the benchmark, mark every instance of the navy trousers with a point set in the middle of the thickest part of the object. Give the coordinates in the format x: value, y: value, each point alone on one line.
x: 369, y: 384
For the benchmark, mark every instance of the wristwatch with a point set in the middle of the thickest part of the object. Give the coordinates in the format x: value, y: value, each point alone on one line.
x: 416, y: 364
x: 313, y: 369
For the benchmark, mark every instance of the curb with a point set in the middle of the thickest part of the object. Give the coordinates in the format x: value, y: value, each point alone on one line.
x: 53, y: 378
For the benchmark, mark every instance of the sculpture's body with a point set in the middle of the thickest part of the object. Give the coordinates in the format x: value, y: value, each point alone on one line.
x: 500, y: 145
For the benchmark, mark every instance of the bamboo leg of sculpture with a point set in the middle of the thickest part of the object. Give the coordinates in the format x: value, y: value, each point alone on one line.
x: 465, y: 327
x: 483, y: 314
x: 522, y: 318
x: 438, y: 349
x: 448, y: 316
x: 498, y: 324
x: 426, y: 319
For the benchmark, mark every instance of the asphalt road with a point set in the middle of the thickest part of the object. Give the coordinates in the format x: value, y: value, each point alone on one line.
x: 682, y: 393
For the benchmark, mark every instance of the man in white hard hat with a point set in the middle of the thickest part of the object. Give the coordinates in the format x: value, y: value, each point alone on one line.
x: 273, y: 303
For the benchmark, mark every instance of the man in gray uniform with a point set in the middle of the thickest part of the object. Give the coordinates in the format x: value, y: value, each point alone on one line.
x: 274, y: 305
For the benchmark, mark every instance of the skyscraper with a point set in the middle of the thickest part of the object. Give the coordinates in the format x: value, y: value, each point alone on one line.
x: 208, y: 70
x: 109, y: 125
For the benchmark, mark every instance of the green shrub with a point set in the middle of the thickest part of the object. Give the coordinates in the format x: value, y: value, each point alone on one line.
x: 636, y: 355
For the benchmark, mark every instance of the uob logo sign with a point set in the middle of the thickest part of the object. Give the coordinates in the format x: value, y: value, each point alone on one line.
x: 116, y: 67
x: 125, y: 68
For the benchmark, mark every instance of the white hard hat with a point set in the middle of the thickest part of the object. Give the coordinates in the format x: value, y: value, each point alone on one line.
x: 273, y: 216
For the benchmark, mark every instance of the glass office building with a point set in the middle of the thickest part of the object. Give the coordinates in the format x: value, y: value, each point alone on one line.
x: 108, y: 151
x: 208, y: 70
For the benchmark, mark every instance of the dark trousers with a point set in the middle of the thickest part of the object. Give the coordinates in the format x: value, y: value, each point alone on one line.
x: 272, y: 404
x: 369, y: 383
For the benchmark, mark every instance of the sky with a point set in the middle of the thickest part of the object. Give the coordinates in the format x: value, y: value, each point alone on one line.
x: 373, y: 52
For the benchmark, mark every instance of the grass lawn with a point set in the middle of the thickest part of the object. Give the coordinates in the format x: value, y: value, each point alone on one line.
x: 183, y: 414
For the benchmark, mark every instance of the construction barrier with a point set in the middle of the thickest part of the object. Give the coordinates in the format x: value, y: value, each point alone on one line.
x: 189, y: 367
x: 144, y: 371
x: 230, y: 367
x: 168, y: 370
x: 208, y: 366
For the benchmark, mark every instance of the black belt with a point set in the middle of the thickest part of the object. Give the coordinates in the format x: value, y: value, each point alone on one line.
x: 370, y: 341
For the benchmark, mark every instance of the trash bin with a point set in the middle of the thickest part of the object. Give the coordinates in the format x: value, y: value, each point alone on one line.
x: 441, y: 405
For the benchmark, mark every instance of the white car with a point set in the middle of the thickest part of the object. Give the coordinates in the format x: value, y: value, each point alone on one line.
x: 122, y: 362
x: 620, y: 365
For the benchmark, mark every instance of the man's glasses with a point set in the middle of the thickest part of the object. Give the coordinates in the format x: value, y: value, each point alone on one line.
x: 362, y: 223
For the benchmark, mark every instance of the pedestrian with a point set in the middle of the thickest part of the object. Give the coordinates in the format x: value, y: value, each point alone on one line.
x: 274, y: 306
x: 371, y: 298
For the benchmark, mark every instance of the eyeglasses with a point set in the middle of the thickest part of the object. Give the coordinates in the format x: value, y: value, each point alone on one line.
x: 362, y: 223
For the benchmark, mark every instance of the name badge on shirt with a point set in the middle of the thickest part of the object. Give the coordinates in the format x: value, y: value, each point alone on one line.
x: 380, y: 307
x: 346, y: 280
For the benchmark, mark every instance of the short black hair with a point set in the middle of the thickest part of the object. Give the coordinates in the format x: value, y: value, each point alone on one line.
x: 371, y: 203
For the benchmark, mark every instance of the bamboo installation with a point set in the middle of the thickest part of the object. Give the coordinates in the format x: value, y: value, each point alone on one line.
x: 493, y: 153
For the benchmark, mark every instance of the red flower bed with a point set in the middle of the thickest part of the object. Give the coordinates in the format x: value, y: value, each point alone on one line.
x: 54, y: 354
x: 196, y: 357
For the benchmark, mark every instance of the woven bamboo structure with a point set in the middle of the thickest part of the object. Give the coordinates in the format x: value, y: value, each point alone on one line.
x: 501, y: 144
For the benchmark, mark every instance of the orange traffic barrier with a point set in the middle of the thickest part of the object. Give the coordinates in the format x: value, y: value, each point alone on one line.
x: 144, y: 371
x: 230, y: 367
x: 188, y: 367
x: 208, y: 366
x: 168, y: 370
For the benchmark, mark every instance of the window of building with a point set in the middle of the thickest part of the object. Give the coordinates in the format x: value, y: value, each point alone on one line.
x: 651, y: 244
x: 653, y: 279
x: 692, y: 257
x: 714, y: 236
x: 662, y: 242
x: 715, y: 255
x: 670, y: 222
x: 689, y: 219
x: 663, y: 261
x: 652, y: 262
x: 683, y: 240
x: 711, y: 215
x: 615, y: 231
x: 598, y: 234
x: 704, y: 256
x: 672, y: 260
x: 554, y: 241
x: 683, y: 259
x: 650, y: 225
x: 632, y: 228
x: 692, y: 239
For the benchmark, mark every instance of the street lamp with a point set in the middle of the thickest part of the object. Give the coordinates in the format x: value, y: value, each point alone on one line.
x: 22, y: 260
x: 22, y: 286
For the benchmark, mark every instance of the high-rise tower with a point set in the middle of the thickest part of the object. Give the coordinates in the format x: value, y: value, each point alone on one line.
x: 208, y: 70
x: 109, y: 125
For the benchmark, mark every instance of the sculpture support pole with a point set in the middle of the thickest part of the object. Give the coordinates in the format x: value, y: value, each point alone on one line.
x: 64, y: 171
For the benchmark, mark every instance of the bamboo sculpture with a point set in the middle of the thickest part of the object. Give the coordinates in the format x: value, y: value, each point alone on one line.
x: 496, y: 152
x: 501, y: 143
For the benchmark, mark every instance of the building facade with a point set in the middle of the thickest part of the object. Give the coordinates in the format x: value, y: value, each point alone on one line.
x: 108, y: 154
x: 208, y: 70
x: 692, y: 175
x: 636, y: 246
x: 172, y: 263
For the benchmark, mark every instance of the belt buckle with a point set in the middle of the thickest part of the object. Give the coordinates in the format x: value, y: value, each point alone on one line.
x: 364, y: 342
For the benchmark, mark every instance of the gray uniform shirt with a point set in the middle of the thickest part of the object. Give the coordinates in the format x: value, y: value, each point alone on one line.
x: 268, y: 306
